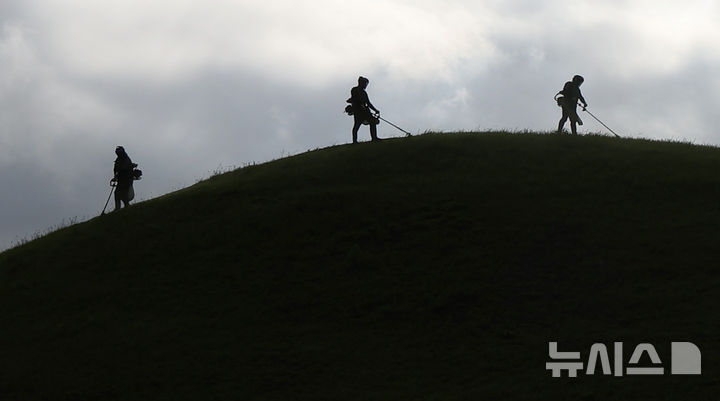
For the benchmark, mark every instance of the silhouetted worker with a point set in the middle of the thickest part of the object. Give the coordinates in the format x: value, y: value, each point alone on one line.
x: 123, y: 170
x: 361, y: 106
x: 569, y: 101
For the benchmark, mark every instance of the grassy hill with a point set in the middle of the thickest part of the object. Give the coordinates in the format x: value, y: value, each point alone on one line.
x: 436, y: 267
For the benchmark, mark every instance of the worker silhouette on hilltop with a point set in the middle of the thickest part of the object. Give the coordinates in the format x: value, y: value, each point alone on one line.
x: 123, y: 177
x: 569, y: 101
x: 360, y: 106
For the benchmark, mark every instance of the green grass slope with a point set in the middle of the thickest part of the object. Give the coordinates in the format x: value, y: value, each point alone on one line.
x: 436, y: 267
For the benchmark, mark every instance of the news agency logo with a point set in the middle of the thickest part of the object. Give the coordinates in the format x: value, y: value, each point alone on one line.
x: 686, y: 359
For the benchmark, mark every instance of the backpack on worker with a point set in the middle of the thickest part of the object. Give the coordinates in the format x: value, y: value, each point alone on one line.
x: 368, y: 119
x: 136, y: 172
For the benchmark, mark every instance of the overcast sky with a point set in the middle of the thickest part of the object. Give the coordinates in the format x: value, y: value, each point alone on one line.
x: 193, y: 86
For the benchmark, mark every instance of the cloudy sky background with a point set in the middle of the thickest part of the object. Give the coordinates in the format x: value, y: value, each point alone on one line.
x: 193, y: 86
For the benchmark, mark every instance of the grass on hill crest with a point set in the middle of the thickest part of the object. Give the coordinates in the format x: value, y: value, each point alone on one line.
x: 436, y: 267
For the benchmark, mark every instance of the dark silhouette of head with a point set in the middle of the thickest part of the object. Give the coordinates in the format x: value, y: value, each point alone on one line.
x: 363, y: 82
x: 120, y: 152
x: 578, y: 80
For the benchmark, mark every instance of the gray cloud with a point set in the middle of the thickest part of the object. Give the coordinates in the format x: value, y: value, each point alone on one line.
x: 189, y: 86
